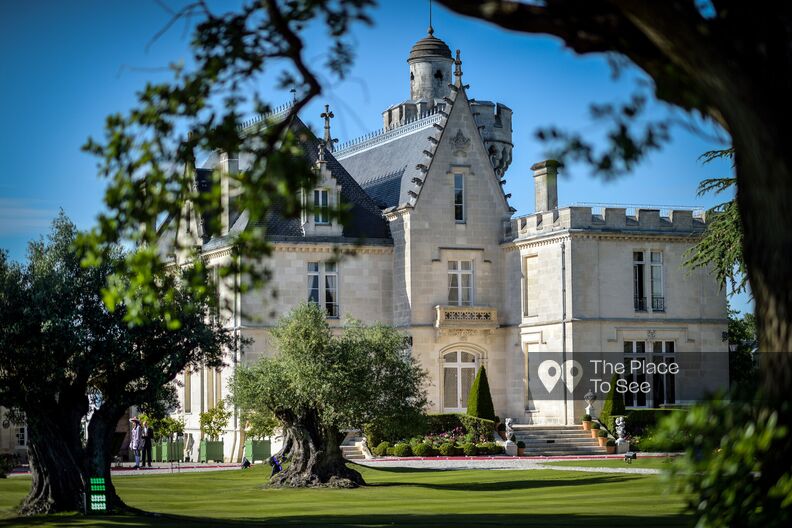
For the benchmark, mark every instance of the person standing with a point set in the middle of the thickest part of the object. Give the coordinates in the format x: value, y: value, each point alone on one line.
x: 136, y: 441
x: 148, y: 442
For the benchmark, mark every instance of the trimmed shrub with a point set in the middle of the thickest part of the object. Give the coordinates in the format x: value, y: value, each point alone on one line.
x: 610, y: 443
x: 469, y: 449
x: 602, y: 433
x: 394, y: 428
x: 595, y: 425
x: 488, y: 448
x: 520, y: 445
x: 449, y: 449
x: 424, y: 450
x: 614, y: 403
x: 480, y: 399
x: 7, y: 464
x: 381, y: 449
x: 585, y: 418
x: 402, y: 450
x: 390, y: 451
x: 478, y: 426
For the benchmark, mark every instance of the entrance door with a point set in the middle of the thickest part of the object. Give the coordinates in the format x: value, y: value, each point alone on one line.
x: 459, y: 371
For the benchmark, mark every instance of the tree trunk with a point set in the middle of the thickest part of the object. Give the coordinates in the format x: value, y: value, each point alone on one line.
x: 315, y: 458
x: 99, y: 455
x: 54, y: 449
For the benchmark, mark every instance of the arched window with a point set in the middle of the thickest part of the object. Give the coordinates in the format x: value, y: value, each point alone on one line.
x: 459, y: 371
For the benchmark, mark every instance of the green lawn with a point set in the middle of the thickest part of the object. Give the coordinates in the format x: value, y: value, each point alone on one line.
x: 650, y: 463
x: 394, y: 497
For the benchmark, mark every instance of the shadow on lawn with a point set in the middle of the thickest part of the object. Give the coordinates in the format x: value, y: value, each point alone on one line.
x: 513, y: 485
x: 444, y: 520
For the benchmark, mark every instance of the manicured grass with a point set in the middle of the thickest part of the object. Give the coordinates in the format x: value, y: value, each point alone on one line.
x: 394, y: 497
x: 649, y: 463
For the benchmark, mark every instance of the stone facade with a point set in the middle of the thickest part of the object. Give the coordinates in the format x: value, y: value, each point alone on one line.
x: 470, y: 284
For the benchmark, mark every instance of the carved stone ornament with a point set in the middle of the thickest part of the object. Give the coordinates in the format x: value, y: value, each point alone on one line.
x: 460, y: 142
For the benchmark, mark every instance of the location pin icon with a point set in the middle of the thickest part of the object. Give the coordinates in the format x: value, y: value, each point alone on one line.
x: 573, y: 371
x: 548, y: 379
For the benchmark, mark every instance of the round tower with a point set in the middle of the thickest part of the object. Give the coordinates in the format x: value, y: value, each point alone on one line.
x: 430, y: 69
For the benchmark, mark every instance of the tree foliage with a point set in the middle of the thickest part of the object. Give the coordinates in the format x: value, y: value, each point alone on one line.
x: 721, y: 248
x: 318, y: 384
x: 148, y: 155
x: 214, y: 421
x: 63, y: 353
x: 480, y: 400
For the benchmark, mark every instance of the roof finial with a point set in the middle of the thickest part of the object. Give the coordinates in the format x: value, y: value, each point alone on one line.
x: 431, y: 29
x: 458, y: 69
x: 328, y: 140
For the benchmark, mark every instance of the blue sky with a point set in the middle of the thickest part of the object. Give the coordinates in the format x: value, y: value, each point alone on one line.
x: 67, y: 65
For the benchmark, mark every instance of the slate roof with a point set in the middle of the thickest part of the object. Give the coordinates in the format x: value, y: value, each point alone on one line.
x: 385, y: 165
x: 365, y: 220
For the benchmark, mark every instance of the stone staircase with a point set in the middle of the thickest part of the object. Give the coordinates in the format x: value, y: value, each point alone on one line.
x: 557, y: 440
x: 352, y: 448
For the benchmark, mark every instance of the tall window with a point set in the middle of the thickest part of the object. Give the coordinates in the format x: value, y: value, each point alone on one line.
x: 663, y: 385
x: 639, y: 295
x: 313, y: 282
x: 331, y: 289
x: 460, y: 282
x: 656, y: 276
x: 21, y: 436
x: 459, y: 198
x: 327, y: 294
x: 321, y: 206
x: 187, y: 391
x: 459, y: 371
x: 529, y: 284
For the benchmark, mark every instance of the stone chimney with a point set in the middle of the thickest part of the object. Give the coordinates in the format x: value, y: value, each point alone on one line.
x: 546, y: 185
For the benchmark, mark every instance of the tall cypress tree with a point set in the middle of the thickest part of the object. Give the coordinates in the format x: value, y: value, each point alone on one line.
x: 480, y: 399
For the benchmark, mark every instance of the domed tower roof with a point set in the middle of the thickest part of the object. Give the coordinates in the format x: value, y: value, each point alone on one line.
x: 429, y: 46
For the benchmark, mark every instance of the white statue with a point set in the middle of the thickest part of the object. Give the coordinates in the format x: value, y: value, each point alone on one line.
x: 509, y: 446
x: 622, y: 444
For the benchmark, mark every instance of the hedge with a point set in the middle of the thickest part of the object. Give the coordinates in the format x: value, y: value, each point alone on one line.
x: 614, y: 404
x: 469, y: 449
x: 480, y: 400
x: 381, y: 449
x: 431, y: 424
x: 639, y: 419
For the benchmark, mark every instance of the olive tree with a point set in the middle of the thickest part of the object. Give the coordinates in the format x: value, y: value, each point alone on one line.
x: 318, y: 384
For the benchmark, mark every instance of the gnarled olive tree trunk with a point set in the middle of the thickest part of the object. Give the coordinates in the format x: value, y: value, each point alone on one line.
x: 315, y: 459
x: 56, y: 464
x: 99, y: 451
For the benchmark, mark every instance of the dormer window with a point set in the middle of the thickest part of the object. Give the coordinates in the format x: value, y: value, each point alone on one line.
x: 321, y: 206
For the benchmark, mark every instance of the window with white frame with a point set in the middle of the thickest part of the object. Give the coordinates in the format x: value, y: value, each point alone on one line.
x: 21, y: 436
x: 639, y: 294
x: 331, y: 289
x: 323, y: 286
x: 460, y: 282
x: 663, y: 386
x: 459, y: 371
x: 459, y: 198
x: 656, y: 280
x: 321, y: 206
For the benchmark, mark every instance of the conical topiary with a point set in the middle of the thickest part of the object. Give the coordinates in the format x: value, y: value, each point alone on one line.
x: 480, y: 399
x: 614, y: 403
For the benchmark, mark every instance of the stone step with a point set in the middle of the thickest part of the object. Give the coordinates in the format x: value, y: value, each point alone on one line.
x: 527, y: 427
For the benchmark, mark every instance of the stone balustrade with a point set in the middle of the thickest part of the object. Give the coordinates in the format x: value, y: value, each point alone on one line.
x: 472, y: 317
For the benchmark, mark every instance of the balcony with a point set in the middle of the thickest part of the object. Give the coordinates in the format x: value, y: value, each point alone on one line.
x: 465, y: 320
x: 658, y: 304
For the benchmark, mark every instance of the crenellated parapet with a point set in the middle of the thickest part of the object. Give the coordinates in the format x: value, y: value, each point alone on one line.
x: 660, y: 220
x: 495, y: 124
